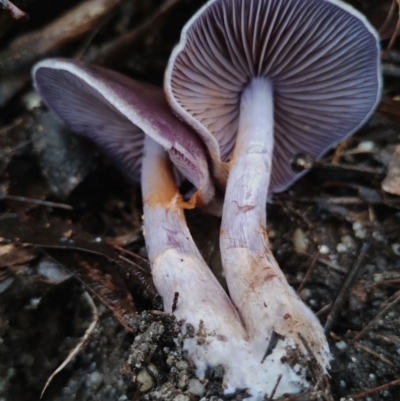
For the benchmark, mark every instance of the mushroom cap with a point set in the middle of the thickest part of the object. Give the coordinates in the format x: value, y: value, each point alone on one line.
x: 116, y: 112
x: 321, y: 56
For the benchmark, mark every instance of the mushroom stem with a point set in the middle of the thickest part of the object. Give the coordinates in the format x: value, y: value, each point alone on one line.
x: 178, y: 267
x: 266, y: 303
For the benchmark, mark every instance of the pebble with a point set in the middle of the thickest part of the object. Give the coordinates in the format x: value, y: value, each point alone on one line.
x: 323, y: 249
x: 144, y: 380
x: 95, y: 379
x: 366, y: 146
x: 348, y: 241
x: 305, y: 294
x: 181, y: 397
x: 183, y: 381
x: 196, y: 387
x: 396, y: 249
x: 341, y: 345
x: 182, y: 365
x: 359, y: 230
x: 300, y: 241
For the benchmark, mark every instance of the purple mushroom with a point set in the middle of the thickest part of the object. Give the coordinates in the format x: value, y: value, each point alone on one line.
x: 133, y: 124
x: 260, y: 81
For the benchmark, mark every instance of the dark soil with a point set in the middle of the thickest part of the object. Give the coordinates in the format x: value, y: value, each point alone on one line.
x: 341, y: 219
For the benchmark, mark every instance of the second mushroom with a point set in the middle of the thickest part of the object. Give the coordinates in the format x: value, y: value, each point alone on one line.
x: 133, y: 124
x: 260, y: 81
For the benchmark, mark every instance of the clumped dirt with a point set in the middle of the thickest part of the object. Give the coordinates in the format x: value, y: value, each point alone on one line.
x: 72, y: 250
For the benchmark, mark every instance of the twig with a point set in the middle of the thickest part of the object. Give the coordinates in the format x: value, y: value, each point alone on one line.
x: 11, y: 126
x: 334, y: 266
x: 81, y: 343
x: 397, y: 29
x: 133, y: 254
x: 175, y: 302
x: 324, y: 310
x: 365, y: 393
x: 112, y: 49
x: 69, y: 27
x: 15, y: 12
x: 21, y: 145
x: 309, y: 272
x: 275, y: 388
x: 36, y: 201
x: 379, y: 315
x: 389, y: 17
x: 342, y: 296
x: 373, y: 353
x: 134, y: 264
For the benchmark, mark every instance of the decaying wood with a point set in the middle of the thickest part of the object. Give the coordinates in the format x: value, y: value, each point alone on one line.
x: 69, y: 27
x: 15, y: 12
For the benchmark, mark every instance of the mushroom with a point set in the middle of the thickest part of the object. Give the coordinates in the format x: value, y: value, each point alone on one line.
x: 260, y: 81
x: 133, y: 124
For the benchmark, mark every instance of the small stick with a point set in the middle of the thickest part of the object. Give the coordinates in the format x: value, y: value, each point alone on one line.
x: 15, y: 12
x: 342, y: 296
x: 133, y: 254
x: 309, y: 272
x: 365, y: 393
x: 134, y: 264
x: 395, y: 33
x: 324, y: 310
x: 334, y: 266
x: 373, y: 353
x: 274, y: 389
x: 379, y: 315
x: 108, y: 52
x: 175, y: 302
x: 81, y: 343
x: 36, y: 201
x: 69, y: 27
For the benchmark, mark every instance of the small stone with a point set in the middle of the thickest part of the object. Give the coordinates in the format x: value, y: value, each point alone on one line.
x: 359, y: 230
x: 181, y: 397
x: 376, y: 235
x: 396, y: 249
x: 341, y: 345
x: 341, y: 248
x: 324, y: 250
x: 348, y: 241
x: 219, y: 372
x: 305, y: 294
x: 153, y: 370
x: 313, y: 303
x: 300, y: 241
x: 183, y: 381
x: 343, y: 384
x: 95, y: 379
x: 182, y: 365
x: 5, y: 284
x: 196, y: 387
x: 366, y: 146
x: 144, y: 380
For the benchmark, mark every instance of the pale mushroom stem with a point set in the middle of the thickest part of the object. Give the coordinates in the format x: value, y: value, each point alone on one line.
x: 178, y: 267
x: 266, y: 302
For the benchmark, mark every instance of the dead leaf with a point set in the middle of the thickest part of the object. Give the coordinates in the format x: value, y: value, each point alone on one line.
x: 391, y: 183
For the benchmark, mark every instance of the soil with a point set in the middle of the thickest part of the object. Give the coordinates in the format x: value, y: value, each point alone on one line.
x: 80, y: 259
